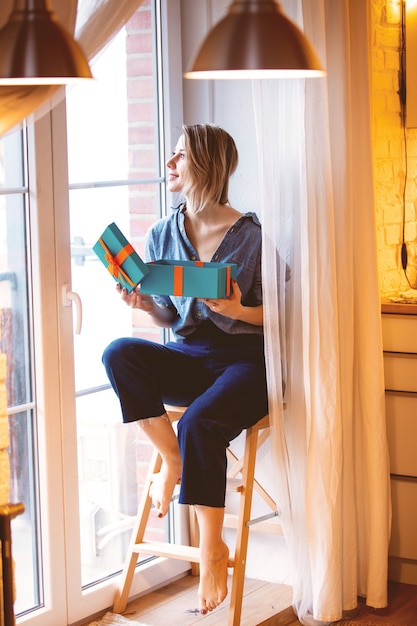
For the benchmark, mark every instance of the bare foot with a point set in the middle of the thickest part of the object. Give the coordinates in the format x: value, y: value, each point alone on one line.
x: 213, y: 578
x: 164, y: 484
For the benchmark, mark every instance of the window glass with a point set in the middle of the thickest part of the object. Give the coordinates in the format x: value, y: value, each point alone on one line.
x: 16, y: 346
x: 114, y: 176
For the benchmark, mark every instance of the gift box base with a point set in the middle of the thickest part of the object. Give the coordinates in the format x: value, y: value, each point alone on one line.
x: 189, y: 279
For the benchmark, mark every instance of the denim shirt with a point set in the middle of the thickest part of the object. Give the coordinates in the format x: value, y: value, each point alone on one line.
x: 167, y: 239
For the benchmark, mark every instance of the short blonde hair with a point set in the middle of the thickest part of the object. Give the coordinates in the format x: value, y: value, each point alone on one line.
x: 212, y: 158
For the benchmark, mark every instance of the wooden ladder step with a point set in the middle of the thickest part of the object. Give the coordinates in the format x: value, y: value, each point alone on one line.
x: 170, y: 550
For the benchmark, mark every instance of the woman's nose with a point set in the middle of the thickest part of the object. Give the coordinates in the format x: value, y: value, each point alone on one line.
x: 170, y: 163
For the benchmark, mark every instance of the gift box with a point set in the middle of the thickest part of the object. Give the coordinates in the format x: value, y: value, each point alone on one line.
x: 195, y: 279
x: 120, y: 258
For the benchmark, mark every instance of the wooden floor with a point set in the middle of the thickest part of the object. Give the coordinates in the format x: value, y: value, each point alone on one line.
x: 264, y: 604
x: 177, y: 604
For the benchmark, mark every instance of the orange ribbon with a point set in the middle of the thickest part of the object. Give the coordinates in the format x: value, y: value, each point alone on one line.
x: 178, y: 280
x: 228, y: 277
x: 115, y: 262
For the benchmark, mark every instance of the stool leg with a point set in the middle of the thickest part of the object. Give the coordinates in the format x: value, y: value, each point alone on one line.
x: 138, y: 533
x: 242, y: 536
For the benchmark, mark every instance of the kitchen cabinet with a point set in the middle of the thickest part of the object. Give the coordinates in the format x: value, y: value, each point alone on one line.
x: 399, y: 327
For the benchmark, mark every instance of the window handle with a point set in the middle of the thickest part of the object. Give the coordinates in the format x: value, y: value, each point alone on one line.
x: 68, y: 297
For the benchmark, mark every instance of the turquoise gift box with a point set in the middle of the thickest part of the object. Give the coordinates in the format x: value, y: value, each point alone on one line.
x: 194, y: 279
x: 120, y: 258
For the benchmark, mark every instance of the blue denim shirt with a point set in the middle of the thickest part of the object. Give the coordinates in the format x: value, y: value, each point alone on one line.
x: 241, y: 244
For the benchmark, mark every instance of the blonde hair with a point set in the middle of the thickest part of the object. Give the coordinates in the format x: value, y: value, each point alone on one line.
x: 211, y: 157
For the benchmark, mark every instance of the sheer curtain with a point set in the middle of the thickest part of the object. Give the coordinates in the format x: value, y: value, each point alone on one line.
x: 331, y: 455
x: 94, y: 23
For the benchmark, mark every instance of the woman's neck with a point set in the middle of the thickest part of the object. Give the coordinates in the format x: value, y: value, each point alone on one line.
x: 208, y: 213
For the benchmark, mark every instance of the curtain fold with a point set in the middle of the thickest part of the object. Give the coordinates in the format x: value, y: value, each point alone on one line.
x: 331, y: 454
x: 95, y: 23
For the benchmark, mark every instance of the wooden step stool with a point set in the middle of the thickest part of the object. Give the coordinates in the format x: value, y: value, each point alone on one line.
x: 245, y: 466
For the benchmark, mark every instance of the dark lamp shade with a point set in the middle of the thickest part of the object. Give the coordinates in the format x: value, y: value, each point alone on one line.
x: 36, y: 50
x: 255, y: 40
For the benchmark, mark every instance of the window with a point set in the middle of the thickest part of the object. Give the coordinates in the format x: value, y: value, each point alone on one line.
x: 116, y: 173
x: 97, y: 158
x: 16, y: 342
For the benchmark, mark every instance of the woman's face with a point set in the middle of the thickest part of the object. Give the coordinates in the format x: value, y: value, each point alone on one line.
x: 177, y: 167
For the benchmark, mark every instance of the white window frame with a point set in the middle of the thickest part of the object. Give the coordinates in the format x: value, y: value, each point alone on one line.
x: 53, y: 335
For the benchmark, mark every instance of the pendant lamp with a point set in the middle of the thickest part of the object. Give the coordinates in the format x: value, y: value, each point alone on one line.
x: 255, y: 40
x: 36, y: 50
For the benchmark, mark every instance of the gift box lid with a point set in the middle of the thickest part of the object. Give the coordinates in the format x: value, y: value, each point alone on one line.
x: 120, y: 258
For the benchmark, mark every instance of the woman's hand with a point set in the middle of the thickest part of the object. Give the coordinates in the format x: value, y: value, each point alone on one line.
x: 136, y: 300
x: 230, y: 306
x: 233, y: 308
x: 162, y: 316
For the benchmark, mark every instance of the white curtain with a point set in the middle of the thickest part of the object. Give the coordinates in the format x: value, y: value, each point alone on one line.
x: 331, y: 455
x: 94, y: 23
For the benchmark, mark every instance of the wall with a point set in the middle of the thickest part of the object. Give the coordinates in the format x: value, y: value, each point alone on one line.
x: 389, y: 155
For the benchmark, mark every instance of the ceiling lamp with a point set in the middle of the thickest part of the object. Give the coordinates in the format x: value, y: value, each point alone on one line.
x: 36, y: 50
x: 255, y: 40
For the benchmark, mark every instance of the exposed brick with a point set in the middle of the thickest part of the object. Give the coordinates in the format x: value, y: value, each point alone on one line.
x: 392, y: 13
x: 390, y: 60
x: 4, y: 431
x: 140, y: 227
x: 142, y: 159
x: 5, y: 476
x: 142, y: 205
x: 392, y: 235
x: 143, y: 111
x: 139, y: 66
x: 139, y: 42
x: 142, y: 134
x: 389, y: 167
x: 141, y: 20
x: 411, y: 232
x: 139, y: 88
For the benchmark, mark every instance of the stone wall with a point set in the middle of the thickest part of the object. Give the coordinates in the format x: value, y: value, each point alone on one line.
x: 389, y: 150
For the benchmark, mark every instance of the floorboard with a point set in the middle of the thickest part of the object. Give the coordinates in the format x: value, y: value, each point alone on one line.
x: 177, y: 604
x: 264, y: 604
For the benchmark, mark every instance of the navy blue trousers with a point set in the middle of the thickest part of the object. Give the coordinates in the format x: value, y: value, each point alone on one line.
x: 222, y: 380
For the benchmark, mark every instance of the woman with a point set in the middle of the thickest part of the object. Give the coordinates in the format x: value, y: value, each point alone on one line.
x: 215, y: 365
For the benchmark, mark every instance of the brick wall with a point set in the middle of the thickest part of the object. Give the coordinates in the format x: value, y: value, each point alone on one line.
x: 389, y: 155
x: 143, y: 141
